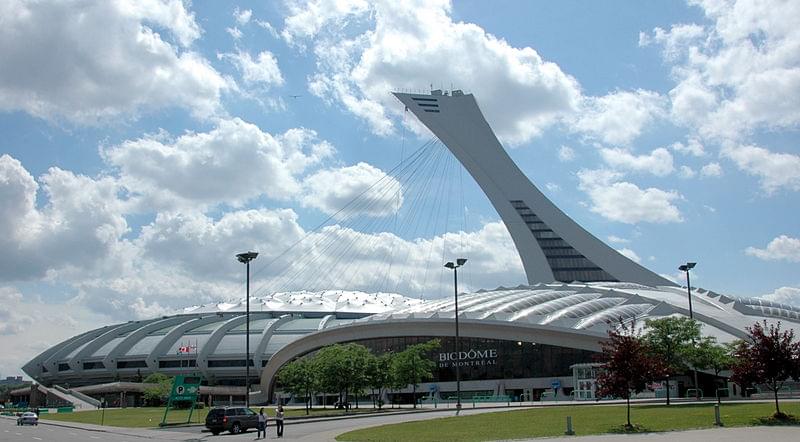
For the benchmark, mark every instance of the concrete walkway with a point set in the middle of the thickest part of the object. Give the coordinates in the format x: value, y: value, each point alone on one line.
x: 741, y: 434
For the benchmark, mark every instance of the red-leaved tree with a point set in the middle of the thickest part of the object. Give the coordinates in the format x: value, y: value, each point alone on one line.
x: 629, y: 365
x: 767, y: 357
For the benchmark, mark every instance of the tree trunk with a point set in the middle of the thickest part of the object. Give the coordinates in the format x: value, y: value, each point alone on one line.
x: 628, y: 401
x: 667, y: 391
x: 775, y: 389
x: 414, y: 395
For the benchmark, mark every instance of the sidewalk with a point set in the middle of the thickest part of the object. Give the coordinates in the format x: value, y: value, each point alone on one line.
x: 739, y: 434
x: 141, y: 433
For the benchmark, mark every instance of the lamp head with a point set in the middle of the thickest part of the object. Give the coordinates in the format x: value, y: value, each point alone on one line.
x: 450, y: 265
x: 686, y: 267
x: 246, y: 257
x: 461, y: 261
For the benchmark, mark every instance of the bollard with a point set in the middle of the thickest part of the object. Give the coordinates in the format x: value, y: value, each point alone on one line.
x: 569, y: 431
x: 717, y: 420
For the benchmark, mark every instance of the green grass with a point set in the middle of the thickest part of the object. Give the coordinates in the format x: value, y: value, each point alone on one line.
x: 151, y: 416
x: 551, y: 421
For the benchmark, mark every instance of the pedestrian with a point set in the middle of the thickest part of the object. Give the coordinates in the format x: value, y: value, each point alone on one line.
x: 262, y: 424
x: 279, y: 419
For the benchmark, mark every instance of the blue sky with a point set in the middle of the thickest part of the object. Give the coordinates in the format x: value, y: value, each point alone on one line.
x: 145, y: 144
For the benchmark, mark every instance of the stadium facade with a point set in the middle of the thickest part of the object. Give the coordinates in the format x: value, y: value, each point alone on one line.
x: 517, y: 341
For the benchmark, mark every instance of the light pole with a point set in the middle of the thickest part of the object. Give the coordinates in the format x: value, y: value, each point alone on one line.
x: 245, y: 258
x: 459, y: 262
x: 685, y: 268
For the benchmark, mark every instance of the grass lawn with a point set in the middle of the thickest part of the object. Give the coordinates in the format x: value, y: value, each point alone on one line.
x: 151, y: 416
x: 551, y: 421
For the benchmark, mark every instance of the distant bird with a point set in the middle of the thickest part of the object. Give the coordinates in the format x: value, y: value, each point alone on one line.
x: 295, y: 96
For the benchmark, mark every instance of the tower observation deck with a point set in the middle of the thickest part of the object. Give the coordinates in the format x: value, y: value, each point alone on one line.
x: 552, y: 246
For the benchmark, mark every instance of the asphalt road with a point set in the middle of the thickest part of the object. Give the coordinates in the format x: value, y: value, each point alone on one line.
x: 327, y: 430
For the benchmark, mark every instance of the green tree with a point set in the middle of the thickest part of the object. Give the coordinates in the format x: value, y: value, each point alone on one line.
x: 342, y: 368
x: 159, y: 391
x: 412, y: 366
x: 299, y: 378
x: 708, y: 355
x: 671, y: 340
x: 379, y: 375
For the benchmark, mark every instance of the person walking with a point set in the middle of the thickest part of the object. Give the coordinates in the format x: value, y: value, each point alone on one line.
x: 262, y: 424
x: 279, y: 419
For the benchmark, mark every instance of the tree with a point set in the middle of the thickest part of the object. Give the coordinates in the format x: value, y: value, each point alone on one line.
x: 299, y: 378
x: 769, y: 357
x: 159, y: 391
x: 343, y: 368
x: 379, y: 374
x: 412, y: 366
x: 671, y: 339
x: 708, y: 355
x: 629, y: 365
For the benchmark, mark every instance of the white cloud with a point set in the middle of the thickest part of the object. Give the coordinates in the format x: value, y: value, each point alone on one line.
x: 413, y: 45
x: 552, y: 187
x: 686, y: 172
x: 268, y: 27
x: 566, y: 153
x: 331, y: 190
x: 784, y: 295
x: 775, y: 170
x: 263, y: 70
x: 619, y: 117
x: 77, y: 228
x: 242, y: 17
x: 232, y: 163
x: 626, y: 202
x: 618, y: 240
x: 782, y: 248
x: 658, y: 162
x: 739, y: 74
x: 630, y: 254
x: 711, y: 170
x: 91, y: 61
x: 692, y: 147
x: 234, y: 32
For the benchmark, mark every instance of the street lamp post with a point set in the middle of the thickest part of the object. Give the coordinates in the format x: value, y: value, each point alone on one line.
x: 459, y: 262
x: 245, y: 258
x: 685, y: 268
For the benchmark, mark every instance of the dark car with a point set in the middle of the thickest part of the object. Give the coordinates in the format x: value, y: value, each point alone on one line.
x: 233, y: 419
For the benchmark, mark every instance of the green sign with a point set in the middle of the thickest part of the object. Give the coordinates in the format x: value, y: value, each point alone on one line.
x: 185, y: 388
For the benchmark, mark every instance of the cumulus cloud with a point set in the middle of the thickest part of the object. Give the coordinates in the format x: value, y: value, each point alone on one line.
x: 686, y: 172
x: 410, y: 46
x: 263, y: 70
x: 784, y: 295
x: 331, y: 190
x: 232, y: 163
x: 630, y: 254
x: 130, y: 58
x: 711, y: 170
x: 692, y: 147
x: 566, y: 153
x: 78, y: 226
x: 738, y: 74
x: 625, y: 202
x: 775, y: 170
x: 242, y: 16
x: 658, y: 162
x: 619, y: 117
x: 782, y: 248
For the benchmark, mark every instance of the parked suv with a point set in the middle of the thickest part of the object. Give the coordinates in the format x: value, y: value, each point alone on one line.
x: 233, y: 419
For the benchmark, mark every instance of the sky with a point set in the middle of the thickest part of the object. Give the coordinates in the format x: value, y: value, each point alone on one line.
x: 145, y: 143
